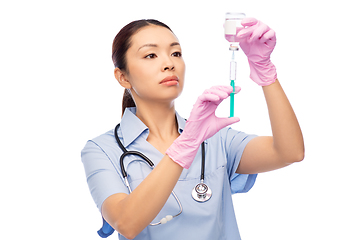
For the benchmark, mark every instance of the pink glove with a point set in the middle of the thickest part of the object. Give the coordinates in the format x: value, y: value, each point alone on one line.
x: 257, y: 41
x: 202, y: 124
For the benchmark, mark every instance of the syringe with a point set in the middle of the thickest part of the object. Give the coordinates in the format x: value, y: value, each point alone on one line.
x: 233, y: 66
x: 232, y: 22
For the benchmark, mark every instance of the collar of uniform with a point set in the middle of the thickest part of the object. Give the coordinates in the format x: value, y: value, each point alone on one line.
x: 181, y: 122
x: 132, y: 127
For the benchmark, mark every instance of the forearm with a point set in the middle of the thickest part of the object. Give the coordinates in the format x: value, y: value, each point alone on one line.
x: 288, y: 141
x: 138, y: 209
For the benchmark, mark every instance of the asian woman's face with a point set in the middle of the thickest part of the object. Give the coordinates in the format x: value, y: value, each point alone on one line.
x: 156, y: 68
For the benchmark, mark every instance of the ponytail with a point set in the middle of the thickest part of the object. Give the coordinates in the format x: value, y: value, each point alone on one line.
x: 127, y: 101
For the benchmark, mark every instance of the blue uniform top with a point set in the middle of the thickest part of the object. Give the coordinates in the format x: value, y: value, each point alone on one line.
x: 214, y: 219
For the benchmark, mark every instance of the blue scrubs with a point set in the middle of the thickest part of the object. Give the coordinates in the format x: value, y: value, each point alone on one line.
x: 214, y: 219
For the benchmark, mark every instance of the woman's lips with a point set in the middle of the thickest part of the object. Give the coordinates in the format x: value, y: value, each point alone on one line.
x: 170, y: 81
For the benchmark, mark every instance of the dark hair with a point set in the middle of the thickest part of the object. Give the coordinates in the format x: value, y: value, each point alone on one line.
x: 121, y: 44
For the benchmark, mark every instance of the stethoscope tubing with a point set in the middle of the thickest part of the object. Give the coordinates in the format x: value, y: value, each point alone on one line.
x: 202, y: 176
x: 126, y: 153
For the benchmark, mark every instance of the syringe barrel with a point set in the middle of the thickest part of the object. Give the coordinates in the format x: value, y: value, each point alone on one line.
x: 233, y: 65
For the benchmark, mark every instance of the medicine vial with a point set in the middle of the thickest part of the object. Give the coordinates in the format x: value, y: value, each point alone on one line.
x: 232, y: 21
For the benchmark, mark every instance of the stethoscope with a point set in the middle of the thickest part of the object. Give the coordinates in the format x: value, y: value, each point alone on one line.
x: 200, y: 193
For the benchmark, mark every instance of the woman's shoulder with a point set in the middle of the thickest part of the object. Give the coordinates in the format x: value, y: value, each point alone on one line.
x: 229, y: 133
x: 104, y: 140
x: 103, y: 146
x: 106, y: 136
x: 228, y: 137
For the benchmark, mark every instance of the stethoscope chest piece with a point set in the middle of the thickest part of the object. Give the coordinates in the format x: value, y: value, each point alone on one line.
x: 201, y: 192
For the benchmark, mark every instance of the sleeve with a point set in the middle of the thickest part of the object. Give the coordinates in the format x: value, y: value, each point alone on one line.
x: 102, y: 176
x: 235, y: 143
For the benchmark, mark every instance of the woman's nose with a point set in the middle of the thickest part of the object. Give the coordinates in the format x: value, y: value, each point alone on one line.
x: 169, y: 68
x: 168, y: 65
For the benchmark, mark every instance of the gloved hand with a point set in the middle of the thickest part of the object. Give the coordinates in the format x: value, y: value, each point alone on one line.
x: 202, y: 124
x: 258, y: 41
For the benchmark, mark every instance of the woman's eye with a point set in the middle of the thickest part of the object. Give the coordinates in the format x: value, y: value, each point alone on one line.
x: 176, y: 54
x: 152, y: 55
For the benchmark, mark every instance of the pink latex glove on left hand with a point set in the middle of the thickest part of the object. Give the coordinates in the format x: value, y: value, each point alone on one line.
x: 201, y: 125
x: 258, y: 40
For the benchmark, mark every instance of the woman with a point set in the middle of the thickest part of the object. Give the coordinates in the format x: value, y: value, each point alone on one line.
x: 149, y: 65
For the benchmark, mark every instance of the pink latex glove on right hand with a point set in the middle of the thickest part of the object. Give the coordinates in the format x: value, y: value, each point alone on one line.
x: 201, y: 125
x: 258, y: 40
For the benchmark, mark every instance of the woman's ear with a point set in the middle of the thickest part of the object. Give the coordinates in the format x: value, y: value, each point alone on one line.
x: 122, y: 78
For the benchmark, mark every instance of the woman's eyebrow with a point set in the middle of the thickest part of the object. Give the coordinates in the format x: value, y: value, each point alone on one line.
x: 148, y: 45
x: 174, y: 44
x: 155, y: 45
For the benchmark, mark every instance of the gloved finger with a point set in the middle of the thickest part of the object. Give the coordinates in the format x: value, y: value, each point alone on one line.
x: 208, y: 97
x: 221, y: 89
x: 228, y: 89
x: 239, y: 32
x: 247, y: 22
x: 249, y: 27
x: 215, y: 93
x: 245, y: 32
x: 210, y: 94
x: 269, y: 38
x: 259, y: 31
x: 223, y: 122
x: 239, y: 29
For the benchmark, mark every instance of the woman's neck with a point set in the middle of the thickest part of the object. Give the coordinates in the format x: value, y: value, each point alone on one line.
x: 162, y: 123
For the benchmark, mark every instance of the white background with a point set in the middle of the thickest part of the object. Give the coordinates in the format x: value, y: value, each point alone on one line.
x: 58, y: 90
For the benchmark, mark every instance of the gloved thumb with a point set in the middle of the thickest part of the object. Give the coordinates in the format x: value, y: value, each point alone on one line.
x: 223, y: 122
